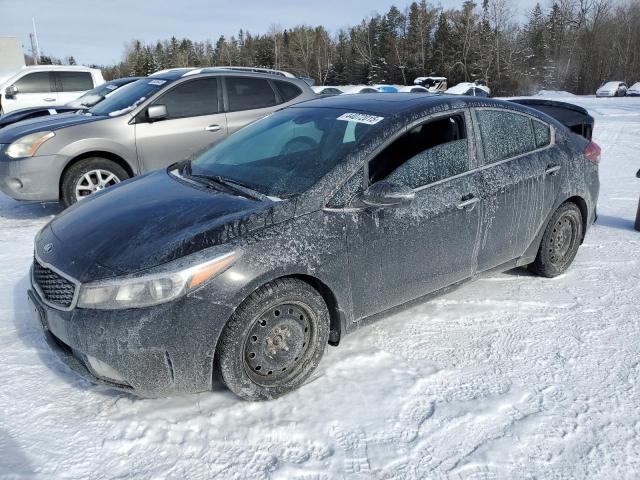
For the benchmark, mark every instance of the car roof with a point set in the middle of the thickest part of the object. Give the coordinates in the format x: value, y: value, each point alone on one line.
x: 39, y: 68
x: 396, y: 103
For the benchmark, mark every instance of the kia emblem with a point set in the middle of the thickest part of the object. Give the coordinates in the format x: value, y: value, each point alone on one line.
x: 48, y: 247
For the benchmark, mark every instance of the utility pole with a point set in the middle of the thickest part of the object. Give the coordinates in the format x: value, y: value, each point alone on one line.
x: 35, y: 48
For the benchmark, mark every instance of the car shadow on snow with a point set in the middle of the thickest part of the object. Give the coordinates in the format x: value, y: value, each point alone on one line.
x: 13, y: 462
x: 615, y: 222
x: 15, y: 210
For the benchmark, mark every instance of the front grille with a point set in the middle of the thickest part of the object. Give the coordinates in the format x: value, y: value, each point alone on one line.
x: 55, y: 289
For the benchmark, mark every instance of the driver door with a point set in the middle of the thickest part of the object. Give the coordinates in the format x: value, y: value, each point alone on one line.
x: 194, y: 122
x: 399, y: 254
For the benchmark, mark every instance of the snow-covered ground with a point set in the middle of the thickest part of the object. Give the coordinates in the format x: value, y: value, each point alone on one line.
x: 512, y: 376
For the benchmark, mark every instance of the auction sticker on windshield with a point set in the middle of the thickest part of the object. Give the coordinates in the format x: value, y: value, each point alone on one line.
x: 157, y: 82
x: 360, y: 118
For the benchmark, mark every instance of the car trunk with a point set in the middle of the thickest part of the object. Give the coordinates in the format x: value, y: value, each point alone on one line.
x: 576, y: 118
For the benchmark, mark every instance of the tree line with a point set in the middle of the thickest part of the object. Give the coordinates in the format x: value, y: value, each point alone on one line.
x: 572, y: 45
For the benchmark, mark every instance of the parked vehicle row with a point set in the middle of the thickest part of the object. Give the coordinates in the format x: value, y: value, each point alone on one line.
x: 618, y: 89
x: 142, y: 126
x: 244, y: 262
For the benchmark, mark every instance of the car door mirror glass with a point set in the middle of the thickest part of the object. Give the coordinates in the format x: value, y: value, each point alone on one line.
x: 11, y: 91
x: 157, y: 112
x: 385, y: 194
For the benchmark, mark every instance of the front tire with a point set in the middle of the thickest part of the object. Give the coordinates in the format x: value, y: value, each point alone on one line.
x: 88, y: 176
x: 274, y: 340
x: 560, y: 242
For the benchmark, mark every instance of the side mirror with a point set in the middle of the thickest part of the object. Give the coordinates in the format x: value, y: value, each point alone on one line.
x: 11, y: 91
x: 638, y: 174
x: 385, y: 194
x: 157, y: 112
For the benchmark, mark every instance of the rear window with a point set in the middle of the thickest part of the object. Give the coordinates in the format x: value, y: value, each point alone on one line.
x: 504, y: 134
x: 36, y: 82
x: 192, y: 98
x: 75, y: 81
x: 245, y: 93
x: 542, y: 133
x: 288, y: 91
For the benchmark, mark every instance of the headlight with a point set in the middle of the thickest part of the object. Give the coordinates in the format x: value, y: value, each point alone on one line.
x: 28, y: 145
x: 150, y: 289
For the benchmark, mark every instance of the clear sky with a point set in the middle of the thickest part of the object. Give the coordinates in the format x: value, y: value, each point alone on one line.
x: 96, y: 31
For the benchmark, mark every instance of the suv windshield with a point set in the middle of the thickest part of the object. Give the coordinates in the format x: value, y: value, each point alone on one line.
x: 94, y: 96
x: 286, y: 153
x: 128, y: 97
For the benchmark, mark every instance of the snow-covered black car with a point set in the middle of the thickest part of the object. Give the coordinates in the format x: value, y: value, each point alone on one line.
x: 84, y: 102
x: 245, y: 262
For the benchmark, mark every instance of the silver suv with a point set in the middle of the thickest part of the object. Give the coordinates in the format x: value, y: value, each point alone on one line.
x: 148, y: 124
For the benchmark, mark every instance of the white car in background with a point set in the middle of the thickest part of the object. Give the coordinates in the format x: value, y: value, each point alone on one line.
x: 46, y: 85
x: 612, y: 89
x: 634, y: 90
x: 412, y: 89
x: 469, y: 88
x: 433, y: 84
x: 327, y: 90
x: 353, y: 89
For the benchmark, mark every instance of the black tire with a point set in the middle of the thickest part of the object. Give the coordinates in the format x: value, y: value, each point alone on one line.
x: 76, y: 172
x: 267, y: 349
x: 560, y: 242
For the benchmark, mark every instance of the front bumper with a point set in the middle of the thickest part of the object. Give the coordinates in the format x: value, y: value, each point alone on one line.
x: 156, y: 351
x: 34, y: 178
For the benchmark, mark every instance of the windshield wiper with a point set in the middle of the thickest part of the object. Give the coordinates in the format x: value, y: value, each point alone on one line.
x: 241, y: 186
x: 228, y: 185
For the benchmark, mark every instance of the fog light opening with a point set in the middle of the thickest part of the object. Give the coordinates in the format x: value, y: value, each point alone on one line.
x: 104, y: 371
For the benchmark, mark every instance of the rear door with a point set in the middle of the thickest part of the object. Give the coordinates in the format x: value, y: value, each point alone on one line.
x: 71, y: 84
x: 248, y: 99
x: 35, y: 89
x: 195, y: 121
x: 520, y: 176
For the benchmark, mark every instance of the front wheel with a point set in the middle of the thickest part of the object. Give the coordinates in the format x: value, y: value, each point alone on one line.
x: 89, y: 176
x: 560, y: 242
x: 274, y: 340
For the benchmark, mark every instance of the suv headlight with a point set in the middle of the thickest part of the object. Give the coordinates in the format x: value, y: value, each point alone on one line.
x: 152, y: 288
x: 28, y: 145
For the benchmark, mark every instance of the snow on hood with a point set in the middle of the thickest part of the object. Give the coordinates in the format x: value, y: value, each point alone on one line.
x: 634, y: 88
x: 609, y: 86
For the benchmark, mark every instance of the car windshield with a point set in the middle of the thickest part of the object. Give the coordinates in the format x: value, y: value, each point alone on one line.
x: 287, y: 152
x: 127, y: 98
x: 93, y: 96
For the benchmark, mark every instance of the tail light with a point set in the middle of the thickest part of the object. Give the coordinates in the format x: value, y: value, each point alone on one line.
x: 592, y: 152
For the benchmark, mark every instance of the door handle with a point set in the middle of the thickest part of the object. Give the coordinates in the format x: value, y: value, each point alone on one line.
x: 213, y: 128
x: 552, y: 170
x: 49, y: 99
x: 467, y: 201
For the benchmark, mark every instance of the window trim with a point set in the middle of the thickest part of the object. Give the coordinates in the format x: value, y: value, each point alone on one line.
x: 162, y: 93
x: 225, y: 92
x: 480, y: 146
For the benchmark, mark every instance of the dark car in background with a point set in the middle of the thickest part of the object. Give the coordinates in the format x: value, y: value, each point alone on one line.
x: 145, y: 125
x: 84, y: 102
x: 243, y: 263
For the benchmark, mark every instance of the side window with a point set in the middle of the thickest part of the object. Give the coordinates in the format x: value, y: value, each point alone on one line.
x: 36, y: 82
x: 192, y: 98
x: 428, y: 153
x: 288, y: 91
x: 246, y: 93
x: 75, y: 81
x: 347, y: 192
x: 542, y: 133
x: 504, y: 134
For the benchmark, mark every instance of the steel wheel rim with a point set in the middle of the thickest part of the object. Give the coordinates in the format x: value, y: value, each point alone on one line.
x: 565, y: 232
x: 94, y: 181
x: 279, y: 343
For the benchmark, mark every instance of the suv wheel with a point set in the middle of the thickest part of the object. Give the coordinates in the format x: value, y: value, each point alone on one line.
x: 560, y: 242
x: 88, y: 176
x: 274, y: 340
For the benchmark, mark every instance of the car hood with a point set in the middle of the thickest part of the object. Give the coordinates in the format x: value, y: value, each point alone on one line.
x: 148, y: 221
x: 11, y: 133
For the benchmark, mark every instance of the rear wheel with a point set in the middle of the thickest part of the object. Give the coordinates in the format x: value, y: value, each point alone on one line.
x: 560, y: 242
x: 89, y: 176
x: 274, y: 340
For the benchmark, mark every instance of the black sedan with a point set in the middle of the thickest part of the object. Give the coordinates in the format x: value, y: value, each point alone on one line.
x: 244, y: 263
x: 84, y: 102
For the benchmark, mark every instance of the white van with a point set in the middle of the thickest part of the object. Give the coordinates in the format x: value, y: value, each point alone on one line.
x: 46, y: 85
